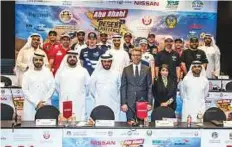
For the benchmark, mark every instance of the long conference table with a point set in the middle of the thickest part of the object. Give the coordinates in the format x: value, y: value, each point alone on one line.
x: 121, y: 135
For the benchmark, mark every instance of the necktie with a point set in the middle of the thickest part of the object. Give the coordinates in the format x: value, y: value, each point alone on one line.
x: 136, y: 71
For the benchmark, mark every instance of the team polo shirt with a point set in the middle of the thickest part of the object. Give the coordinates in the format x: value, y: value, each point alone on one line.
x: 49, y: 47
x: 188, y: 56
x: 90, y: 58
x: 172, y: 59
x: 151, y: 47
x: 58, y: 56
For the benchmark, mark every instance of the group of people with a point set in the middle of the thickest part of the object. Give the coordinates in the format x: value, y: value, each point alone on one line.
x: 116, y: 75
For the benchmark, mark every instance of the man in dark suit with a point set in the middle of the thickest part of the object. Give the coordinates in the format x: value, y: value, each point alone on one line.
x: 136, y: 83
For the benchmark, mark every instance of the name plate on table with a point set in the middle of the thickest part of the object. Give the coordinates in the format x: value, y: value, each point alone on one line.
x: 227, y: 123
x: 164, y: 123
x: 174, y: 120
x: 223, y: 77
x: 104, y: 123
x: 45, y: 122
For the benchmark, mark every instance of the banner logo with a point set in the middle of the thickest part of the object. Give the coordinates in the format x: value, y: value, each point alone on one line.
x: 66, y: 16
x: 197, y: 4
x: 147, y: 20
x: 172, y: 4
x: 171, y: 21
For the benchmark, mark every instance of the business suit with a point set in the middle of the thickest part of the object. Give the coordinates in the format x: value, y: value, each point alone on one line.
x: 133, y: 88
x: 163, y: 94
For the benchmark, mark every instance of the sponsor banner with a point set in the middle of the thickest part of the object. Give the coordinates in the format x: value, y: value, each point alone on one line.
x: 176, y: 142
x: 31, y: 137
x: 161, y: 5
x: 128, y: 133
x: 216, y: 138
x: 69, y: 19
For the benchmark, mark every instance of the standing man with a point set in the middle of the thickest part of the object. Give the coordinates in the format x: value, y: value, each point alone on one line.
x: 152, y: 47
x: 38, y: 86
x: 72, y: 84
x: 121, y: 57
x: 192, y: 54
x: 24, y: 58
x: 136, y: 83
x: 104, y: 45
x: 105, y: 85
x: 169, y: 57
x: 90, y: 55
x: 51, y: 45
x: 81, y: 41
x: 194, y: 90
x: 147, y: 57
x: 127, y: 45
x: 58, y: 54
x: 179, y: 47
x: 213, y: 55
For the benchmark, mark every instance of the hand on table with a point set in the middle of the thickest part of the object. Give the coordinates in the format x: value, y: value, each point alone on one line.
x: 148, y: 107
x: 40, y: 104
x: 165, y: 104
x: 124, y: 107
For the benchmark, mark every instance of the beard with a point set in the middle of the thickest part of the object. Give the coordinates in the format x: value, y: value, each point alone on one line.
x: 38, y: 65
x: 72, y: 62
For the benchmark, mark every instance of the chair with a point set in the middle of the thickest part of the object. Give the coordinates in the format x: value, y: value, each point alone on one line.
x: 47, y: 112
x: 102, y: 112
x: 214, y: 114
x: 7, y: 112
x: 229, y: 86
x: 6, y: 80
x: 162, y: 112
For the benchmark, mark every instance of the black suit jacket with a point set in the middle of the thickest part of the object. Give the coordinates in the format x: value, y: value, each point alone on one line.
x: 163, y: 94
x: 133, y: 88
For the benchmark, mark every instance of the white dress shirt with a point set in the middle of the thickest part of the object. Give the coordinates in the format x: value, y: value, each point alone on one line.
x: 139, y: 68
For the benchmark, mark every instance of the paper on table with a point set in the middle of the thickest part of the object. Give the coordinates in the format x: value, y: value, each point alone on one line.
x: 82, y: 123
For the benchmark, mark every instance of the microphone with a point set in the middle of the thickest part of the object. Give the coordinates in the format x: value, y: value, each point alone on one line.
x: 16, y: 121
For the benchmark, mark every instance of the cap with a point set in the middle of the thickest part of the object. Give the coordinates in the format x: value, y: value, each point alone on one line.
x: 151, y: 35
x: 73, y: 52
x: 92, y: 35
x: 128, y: 34
x: 103, y: 34
x: 179, y: 39
x: 194, y: 39
x: 106, y: 56
x: 168, y: 37
x: 65, y: 35
x: 52, y: 32
x: 80, y: 31
x: 115, y: 36
x: 143, y: 41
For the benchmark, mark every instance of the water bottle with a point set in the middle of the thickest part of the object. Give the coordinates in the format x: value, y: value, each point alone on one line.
x: 189, y: 121
x: 200, y: 118
x: 146, y: 122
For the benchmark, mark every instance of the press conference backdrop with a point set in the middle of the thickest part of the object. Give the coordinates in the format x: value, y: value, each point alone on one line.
x: 181, y: 19
x: 223, y: 28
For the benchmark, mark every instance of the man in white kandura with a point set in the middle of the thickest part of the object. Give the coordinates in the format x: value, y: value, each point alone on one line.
x: 105, y: 85
x: 213, y: 55
x: 121, y: 57
x: 25, y: 55
x: 72, y: 84
x: 194, y: 90
x: 38, y: 86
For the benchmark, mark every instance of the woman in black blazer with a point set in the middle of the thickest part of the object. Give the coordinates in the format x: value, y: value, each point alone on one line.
x: 164, y: 89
